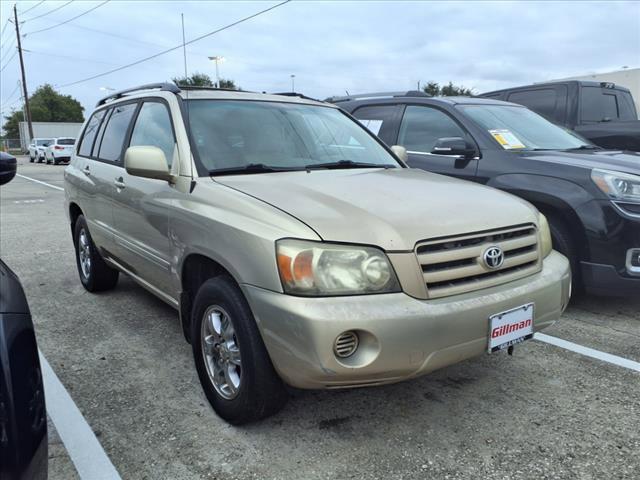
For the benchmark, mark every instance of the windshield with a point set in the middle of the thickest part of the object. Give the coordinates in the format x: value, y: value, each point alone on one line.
x: 246, y: 134
x: 44, y: 142
x: 518, y: 128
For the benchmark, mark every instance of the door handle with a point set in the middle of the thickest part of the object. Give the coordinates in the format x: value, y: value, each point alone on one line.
x: 119, y: 183
x: 86, y: 170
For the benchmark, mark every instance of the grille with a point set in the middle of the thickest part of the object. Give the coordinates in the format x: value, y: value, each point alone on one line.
x: 455, y: 265
x: 346, y: 344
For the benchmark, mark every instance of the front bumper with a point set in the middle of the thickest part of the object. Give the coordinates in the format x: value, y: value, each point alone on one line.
x: 605, y: 280
x: 401, y: 336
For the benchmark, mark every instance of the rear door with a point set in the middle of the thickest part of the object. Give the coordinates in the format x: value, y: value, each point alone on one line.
x: 87, y: 177
x: 142, y: 205
x: 420, y: 128
x: 549, y: 101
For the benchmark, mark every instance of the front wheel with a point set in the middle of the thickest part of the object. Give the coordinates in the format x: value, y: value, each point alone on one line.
x: 563, y: 242
x: 232, y: 362
x: 95, y: 274
x: 31, y: 159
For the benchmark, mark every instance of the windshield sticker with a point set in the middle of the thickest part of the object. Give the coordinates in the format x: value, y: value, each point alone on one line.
x: 372, y: 125
x: 507, y: 139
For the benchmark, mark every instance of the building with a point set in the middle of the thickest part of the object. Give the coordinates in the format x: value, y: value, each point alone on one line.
x: 47, y: 130
x: 626, y: 77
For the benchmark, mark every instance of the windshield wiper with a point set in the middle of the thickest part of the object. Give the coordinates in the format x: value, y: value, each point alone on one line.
x: 347, y: 164
x: 584, y: 147
x: 250, y: 168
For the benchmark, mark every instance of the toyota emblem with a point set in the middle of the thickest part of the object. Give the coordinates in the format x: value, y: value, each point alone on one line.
x: 493, y: 257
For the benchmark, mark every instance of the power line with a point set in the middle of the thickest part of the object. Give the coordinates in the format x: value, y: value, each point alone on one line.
x: 50, y: 11
x: 31, y: 8
x: 67, y: 57
x: 12, y: 93
x: 8, y: 48
x: 9, y: 61
x: 176, y: 47
x: 66, y: 21
x: 6, y: 24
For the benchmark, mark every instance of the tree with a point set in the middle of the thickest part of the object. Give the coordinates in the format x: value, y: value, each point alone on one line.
x: 228, y: 84
x: 204, y: 80
x: 47, y: 105
x: 450, y: 90
x: 195, y: 80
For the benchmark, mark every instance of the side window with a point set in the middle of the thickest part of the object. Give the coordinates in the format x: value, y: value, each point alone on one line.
x: 379, y: 119
x: 597, y: 104
x: 153, y: 127
x: 542, y: 101
x: 422, y: 126
x: 627, y: 108
x: 90, y: 133
x: 115, y: 131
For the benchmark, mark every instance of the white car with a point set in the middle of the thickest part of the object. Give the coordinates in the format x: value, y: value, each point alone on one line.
x: 59, y: 150
x: 36, y: 149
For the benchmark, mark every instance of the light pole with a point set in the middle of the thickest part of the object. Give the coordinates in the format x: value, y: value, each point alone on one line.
x: 217, y: 58
x: 293, y: 83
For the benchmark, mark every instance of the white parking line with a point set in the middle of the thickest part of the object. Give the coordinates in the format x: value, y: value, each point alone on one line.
x: 40, y: 181
x: 85, y: 450
x: 589, y: 352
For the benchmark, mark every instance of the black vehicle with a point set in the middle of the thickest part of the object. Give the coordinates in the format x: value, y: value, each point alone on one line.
x: 23, y: 419
x: 590, y: 196
x: 602, y: 112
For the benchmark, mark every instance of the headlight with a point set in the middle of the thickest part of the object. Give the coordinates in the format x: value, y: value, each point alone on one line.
x: 617, y: 185
x: 545, y: 235
x: 325, y: 269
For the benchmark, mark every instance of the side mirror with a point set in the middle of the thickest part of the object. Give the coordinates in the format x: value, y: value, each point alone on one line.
x: 147, y: 162
x: 8, y: 167
x: 400, y: 152
x: 453, y: 146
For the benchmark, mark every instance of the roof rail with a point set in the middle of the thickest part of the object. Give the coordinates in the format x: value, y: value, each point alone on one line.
x: 165, y: 87
x: 295, y: 94
x: 362, y: 96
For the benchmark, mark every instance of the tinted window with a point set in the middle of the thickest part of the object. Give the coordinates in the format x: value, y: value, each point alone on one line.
x: 379, y: 120
x: 627, y: 108
x: 115, y: 131
x: 153, y: 127
x: 90, y: 133
x: 422, y: 126
x: 599, y: 103
x: 66, y: 141
x: 542, y: 101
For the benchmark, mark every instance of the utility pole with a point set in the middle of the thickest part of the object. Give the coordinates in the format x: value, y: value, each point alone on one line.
x: 24, y: 79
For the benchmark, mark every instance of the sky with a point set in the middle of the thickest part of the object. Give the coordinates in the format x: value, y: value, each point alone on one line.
x: 331, y: 47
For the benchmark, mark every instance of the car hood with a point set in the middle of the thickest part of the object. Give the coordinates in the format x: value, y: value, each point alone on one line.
x: 621, y: 161
x: 392, y: 209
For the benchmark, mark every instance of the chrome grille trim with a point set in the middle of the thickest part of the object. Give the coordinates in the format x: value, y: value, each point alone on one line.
x: 455, y: 265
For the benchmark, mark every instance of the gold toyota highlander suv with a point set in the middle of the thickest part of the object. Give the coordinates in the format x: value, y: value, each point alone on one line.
x: 297, y: 248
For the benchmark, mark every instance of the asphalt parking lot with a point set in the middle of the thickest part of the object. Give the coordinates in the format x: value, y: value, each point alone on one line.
x: 546, y: 412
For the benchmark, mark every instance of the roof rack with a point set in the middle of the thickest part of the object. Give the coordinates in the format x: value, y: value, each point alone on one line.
x: 165, y: 87
x: 362, y: 96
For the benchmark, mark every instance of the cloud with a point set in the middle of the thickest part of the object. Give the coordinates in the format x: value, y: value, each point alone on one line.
x: 331, y: 46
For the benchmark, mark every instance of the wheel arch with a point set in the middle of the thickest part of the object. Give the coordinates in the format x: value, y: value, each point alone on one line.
x: 74, y: 212
x: 196, y: 269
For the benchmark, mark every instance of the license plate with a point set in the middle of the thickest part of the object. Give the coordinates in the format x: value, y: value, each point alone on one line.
x: 510, y: 327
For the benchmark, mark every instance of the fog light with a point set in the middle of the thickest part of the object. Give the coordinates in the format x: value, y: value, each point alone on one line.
x: 633, y: 261
x: 346, y: 344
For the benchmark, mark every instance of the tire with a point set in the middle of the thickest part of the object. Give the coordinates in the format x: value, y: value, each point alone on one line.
x: 259, y: 392
x: 95, y: 274
x: 31, y: 159
x: 563, y: 243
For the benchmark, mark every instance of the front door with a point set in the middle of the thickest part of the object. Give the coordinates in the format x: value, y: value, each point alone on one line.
x: 420, y: 128
x: 142, y: 204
